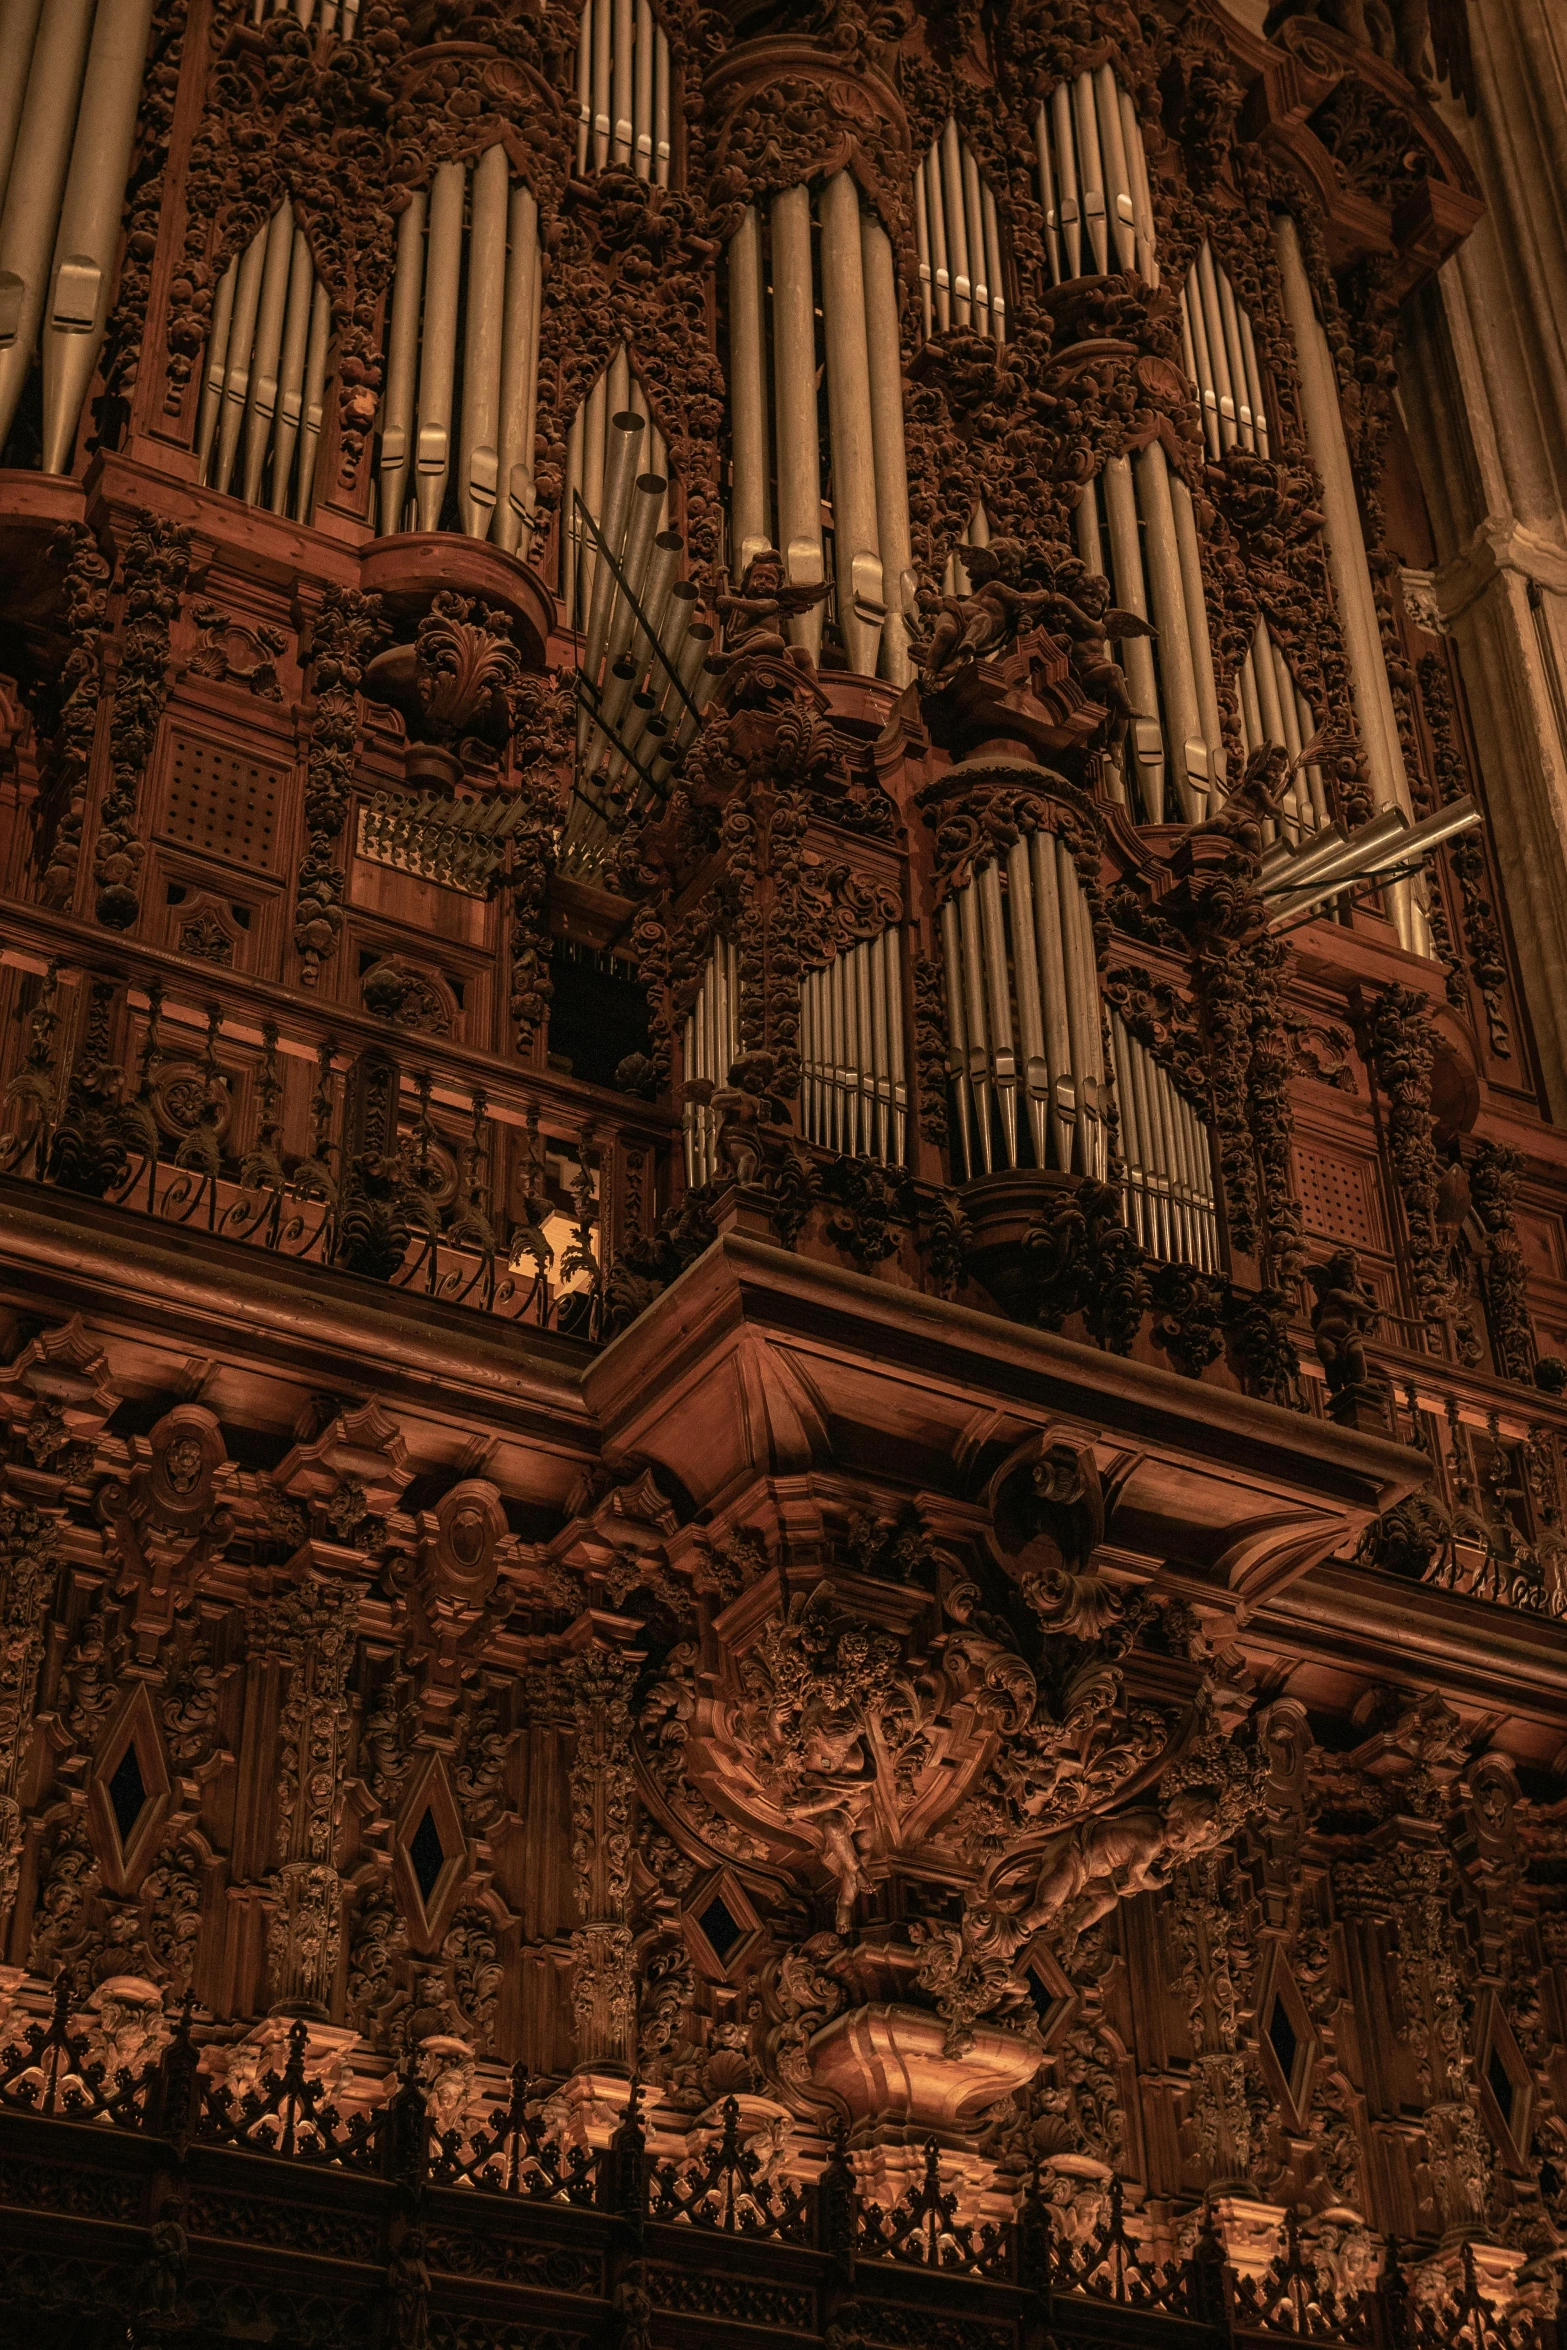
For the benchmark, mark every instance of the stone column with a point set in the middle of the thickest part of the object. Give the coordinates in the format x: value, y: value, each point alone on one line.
x: 1484, y: 385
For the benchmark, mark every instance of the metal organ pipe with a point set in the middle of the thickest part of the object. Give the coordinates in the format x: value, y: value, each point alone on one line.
x: 1347, y: 562
x: 242, y: 336
x: 40, y: 160
x: 514, y: 510
x: 18, y: 26
x: 438, y: 345
x: 402, y: 364
x: 1176, y: 627
x: 479, y: 452
x: 751, y: 527
x: 958, y: 240
x: 856, y: 548
x: 892, y: 495
x: 794, y: 367
x: 89, y: 224
x: 291, y: 369
x: 1093, y: 179
x: 261, y: 390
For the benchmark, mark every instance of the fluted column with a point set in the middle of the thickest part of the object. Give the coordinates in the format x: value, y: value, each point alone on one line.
x: 1484, y: 384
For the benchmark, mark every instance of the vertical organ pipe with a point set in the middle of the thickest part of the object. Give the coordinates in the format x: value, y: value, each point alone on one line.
x: 1118, y: 183
x: 661, y: 147
x: 1197, y: 615
x: 39, y: 163
x: 1052, y: 967
x: 438, y: 344
x: 291, y: 370
x: 794, y: 362
x: 621, y: 132
x: 1177, y: 668
x: 89, y: 229
x: 402, y: 364
x: 519, y: 378
x: 1347, y: 563
x: 751, y: 513
x: 18, y: 26
x: 236, y: 374
x: 217, y: 361
x: 958, y: 260
x: 958, y: 1066
x: 486, y: 323
x: 315, y: 387
x: 1035, y: 1072
x: 1064, y: 149
x: 856, y: 546
x: 261, y: 391
x: 1137, y: 652
x: 642, y: 94
x: 1003, y: 1057
x: 978, y: 1026
x: 1090, y: 165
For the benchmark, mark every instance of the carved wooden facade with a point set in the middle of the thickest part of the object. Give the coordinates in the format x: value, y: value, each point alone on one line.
x: 784, y: 1304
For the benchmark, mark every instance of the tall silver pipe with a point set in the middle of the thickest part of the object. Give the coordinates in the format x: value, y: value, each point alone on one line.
x: 601, y: 82
x: 892, y: 955
x: 216, y: 365
x: 39, y: 163
x: 89, y: 230
x: 402, y: 364
x: 242, y: 340
x: 1090, y: 168
x: 478, y: 474
x: 315, y: 389
x: 1142, y: 197
x: 998, y: 294
x: 661, y: 140
x: 958, y: 1068
x: 18, y: 27
x: 1053, y: 996
x: 584, y: 87
x: 1047, y: 189
x: 1136, y: 653
x: 1063, y: 141
x: 438, y: 344
x: 922, y: 251
x: 959, y: 259
x: 1035, y: 1071
x: 261, y: 393
x: 861, y: 605
x: 612, y: 512
x: 1218, y: 355
x: 514, y: 505
x: 1177, y: 668
x: 291, y: 370
x: 794, y: 363
x: 642, y: 94
x: 1195, y: 599
x: 622, y: 135
x: 1118, y: 180
x: 940, y: 254
x: 1003, y: 1055
x: 751, y: 525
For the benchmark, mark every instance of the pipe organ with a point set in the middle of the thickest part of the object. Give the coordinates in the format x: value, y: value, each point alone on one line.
x: 1167, y: 1179
x: 645, y: 673
x: 590, y: 449
x: 1137, y: 526
x: 780, y: 275
x: 1093, y: 180
x: 1025, y: 1039
x: 462, y: 358
x: 855, y: 1097
x: 959, y: 241
x: 265, y: 370
x: 623, y: 90
x: 73, y: 74
x: 711, y: 1040
x: 1221, y: 359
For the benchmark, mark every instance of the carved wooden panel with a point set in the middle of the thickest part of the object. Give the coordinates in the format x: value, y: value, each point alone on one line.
x: 1340, y: 1196
x: 220, y: 802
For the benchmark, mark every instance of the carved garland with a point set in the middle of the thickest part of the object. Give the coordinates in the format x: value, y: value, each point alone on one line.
x: 157, y: 559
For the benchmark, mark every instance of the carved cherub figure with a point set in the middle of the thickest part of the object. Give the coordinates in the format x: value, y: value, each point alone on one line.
x: 1078, y: 607
x: 1256, y: 799
x: 997, y: 608
x: 752, y: 1124
x: 1345, y: 1309
x: 753, y: 618
x: 831, y: 1787
x: 1088, y: 1869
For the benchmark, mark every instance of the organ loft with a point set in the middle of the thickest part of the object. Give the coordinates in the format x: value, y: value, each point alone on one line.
x: 783, y: 1174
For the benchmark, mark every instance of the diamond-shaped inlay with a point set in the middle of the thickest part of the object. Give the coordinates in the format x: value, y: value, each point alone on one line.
x: 1509, y: 2091
x: 1283, y: 2038
x: 1502, y: 2088
x: 427, y: 1855
x: 128, y: 1793
x: 722, y: 1929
